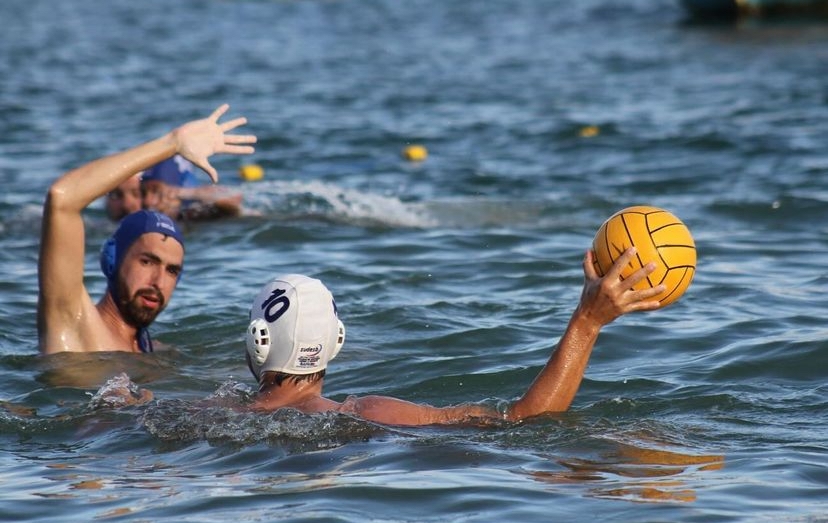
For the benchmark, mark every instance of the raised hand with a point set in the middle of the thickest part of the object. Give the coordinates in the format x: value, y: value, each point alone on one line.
x: 200, y: 139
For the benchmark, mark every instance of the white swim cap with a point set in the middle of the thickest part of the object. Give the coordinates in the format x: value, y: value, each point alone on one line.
x: 293, y: 328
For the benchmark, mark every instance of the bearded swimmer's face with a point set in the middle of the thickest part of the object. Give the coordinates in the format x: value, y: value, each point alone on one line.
x: 147, y: 277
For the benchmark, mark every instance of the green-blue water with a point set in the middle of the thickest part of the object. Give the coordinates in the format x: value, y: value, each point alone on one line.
x: 454, y: 276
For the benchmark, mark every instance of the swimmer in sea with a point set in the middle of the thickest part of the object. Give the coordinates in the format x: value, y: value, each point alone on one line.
x: 125, y: 198
x: 295, y: 331
x: 171, y: 187
x: 143, y: 259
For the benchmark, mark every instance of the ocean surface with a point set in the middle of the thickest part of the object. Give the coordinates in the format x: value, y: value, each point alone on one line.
x: 455, y: 276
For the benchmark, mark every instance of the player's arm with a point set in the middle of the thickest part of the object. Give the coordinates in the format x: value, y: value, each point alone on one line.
x: 228, y: 205
x: 602, y: 301
x: 210, y: 201
x: 393, y: 411
x: 63, y: 299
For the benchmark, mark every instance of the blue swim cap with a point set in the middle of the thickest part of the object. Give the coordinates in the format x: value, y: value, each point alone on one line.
x: 177, y: 171
x: 129, y: 230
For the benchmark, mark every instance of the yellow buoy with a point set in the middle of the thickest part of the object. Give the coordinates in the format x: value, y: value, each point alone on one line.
x: 415, y: 153
x: 589, y: 131
x: 251, y: 172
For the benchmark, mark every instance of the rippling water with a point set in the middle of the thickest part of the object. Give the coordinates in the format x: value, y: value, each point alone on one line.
x: 454, y: 276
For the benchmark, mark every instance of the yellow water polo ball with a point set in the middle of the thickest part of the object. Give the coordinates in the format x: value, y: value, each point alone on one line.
x: 660, y: 237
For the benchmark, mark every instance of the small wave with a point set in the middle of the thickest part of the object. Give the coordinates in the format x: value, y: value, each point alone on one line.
x: 22, y: 220
x: 296, y: 200
x: 223, y: 418
x: 118, y: 392
x: 182, y: 421
x: 327, y: 201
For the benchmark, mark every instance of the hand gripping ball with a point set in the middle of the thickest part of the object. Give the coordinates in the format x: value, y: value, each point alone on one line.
x: 659, y: 237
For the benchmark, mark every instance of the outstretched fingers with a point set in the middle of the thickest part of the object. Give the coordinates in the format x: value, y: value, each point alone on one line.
x: 200, y: 139
x: 236, y: 143
x: 232, y: 124
x: 236, y: 149
x: 239, y: 138
x: 218, y: 113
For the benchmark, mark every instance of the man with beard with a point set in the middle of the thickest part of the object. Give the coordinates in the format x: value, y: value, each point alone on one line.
x: 145, y: 236
x: 143, y: 259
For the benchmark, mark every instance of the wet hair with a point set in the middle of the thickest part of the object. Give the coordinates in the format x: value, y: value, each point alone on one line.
x: 271, y: 378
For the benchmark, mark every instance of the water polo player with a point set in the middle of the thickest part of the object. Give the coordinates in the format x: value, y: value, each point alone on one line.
x: 295, y: 331
x: 145, y: 271
x: 171, y: 187
x: 142, y: 265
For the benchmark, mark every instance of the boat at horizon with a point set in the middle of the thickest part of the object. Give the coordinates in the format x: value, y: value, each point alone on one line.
x: 735, y: 8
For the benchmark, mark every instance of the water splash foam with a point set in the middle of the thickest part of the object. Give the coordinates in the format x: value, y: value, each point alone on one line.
x: 316, y: 199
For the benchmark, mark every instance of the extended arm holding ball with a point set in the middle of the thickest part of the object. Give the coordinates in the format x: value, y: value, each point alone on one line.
x: 603, y: 299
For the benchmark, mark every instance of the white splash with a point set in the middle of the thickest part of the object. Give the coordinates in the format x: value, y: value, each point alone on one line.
x: 324, y: 200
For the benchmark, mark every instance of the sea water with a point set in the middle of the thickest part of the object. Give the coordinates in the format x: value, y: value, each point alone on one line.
x: 455, y: 276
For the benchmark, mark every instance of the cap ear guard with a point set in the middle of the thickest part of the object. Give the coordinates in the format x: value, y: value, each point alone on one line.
x: 108, y: 258
x: 258, y: 341
x: 340, y: 339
